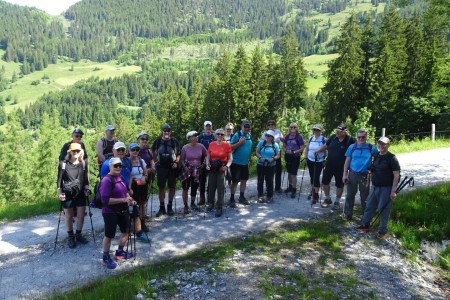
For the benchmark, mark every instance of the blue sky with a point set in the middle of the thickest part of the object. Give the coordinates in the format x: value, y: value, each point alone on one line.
x: 53, y: 7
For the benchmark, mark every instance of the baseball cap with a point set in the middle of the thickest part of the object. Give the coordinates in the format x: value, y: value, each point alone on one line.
x: 207, y: 123
x: 132, y: 146
x: 119, y: 145
x: 342, y: 127
x: 166, y: 126
x: 245, y: 122
x: 141, y: 134
x: 78, y: 130
x: 384, y: 139
x: 74, y: 146
x: 220, y: 130
x: 317, y: 126
x: 270, y: 132
x: 109, y: 128
x: 114, y: 160
x: 191, y: 134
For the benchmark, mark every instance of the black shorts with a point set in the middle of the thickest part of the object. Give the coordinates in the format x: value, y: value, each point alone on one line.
x: 239, y: 172
x: 139, y: 193
x: 166, y: 174
x: 78, y: 201
x: 292, y: 163
x: 331, y: 171
x: 112, y: 220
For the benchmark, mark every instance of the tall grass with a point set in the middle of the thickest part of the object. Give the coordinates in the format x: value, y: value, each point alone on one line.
x: 404, y: 146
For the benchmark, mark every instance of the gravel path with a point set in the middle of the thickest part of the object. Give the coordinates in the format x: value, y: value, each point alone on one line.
x: 27, y: 269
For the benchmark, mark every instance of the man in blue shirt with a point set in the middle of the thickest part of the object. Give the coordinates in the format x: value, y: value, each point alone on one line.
x: 356, y: 172
x: 241, y: 144
x: 118, y: 151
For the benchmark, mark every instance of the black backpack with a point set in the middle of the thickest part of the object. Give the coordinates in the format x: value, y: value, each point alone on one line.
x: 71, y: 188
x: 166, y: 157
x: 96, y: 202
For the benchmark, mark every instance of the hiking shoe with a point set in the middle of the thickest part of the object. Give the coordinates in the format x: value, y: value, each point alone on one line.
x: 170, y: 211
x: 278, y: 191
x: 144, y: 226
x: 194, y: 206
x: 269, y: 200
x: 362, y: 229
x: 162, y: 211
x: 71, y: 241
x: 243, y: 201
x: 293, y: 194
x: 232, y: 204
x: 201, y: 201
x: 288, y: 190
x: 218, y: 212
x: 261, y: 200
x: 310, y: 195
x: 382, y: 236
x: 108, y: 262
x: 81, y: 239
x: 186, y: 210
x: 122, y: 254
x: 326, y: 202
x: 347, y: 217
x: 143, y: 238
x: 336, y: 206
x: 210, y: 207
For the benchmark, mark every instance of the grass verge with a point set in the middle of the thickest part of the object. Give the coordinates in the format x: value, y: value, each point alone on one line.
x: 404, y: 146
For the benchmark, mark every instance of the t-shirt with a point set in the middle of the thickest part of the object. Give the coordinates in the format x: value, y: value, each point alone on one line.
x: 314, y: 144
x: 126, y: 169
x: 384, y: 166
x: 205, y: 140
x: 291, y: 143
x: 137, y: 171
x: 241, y: 155
x: 268, y: 152
x: 108, y: 190
x: 194, y: 155
x: 337, y: 149
x: 146, y: 155
x: 361, y: 157
x: 65, y: 148
x: 221, y: 151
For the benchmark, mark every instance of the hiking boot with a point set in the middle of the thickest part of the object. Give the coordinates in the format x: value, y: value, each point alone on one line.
x: 143, y: 238
x: 194, y: 206
x: 232, y: 204
x: 218, y: 212
x: 347, y: 217
x: 288, y: 190
x: 162, y: 211
x: 336, y: 206
x: 144, y: 226
x: 170, y: 211
x: 269, y: 200
x: 362, y: 229
x: 108, y: 262
x: 122, y: 254
x: 310, y: 195
x: 186, y: 209
x: 243, y: 201
x: 261, y: 200
x: 278, y: 191
x: 326, y: 202
x: 210, y: 207
x: 315, y: 198
x: 293, y: 193
x: 71, y: 241
x: 382, y: 236
x: 80, y: 239
x: 201, y: 201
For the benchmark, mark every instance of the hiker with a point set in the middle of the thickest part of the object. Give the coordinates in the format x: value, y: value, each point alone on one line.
x: 293, y: 148
x: 192, y: 156
x: 73, y: 188
x: 138, y: 184
x: 267, y: 153
x: 77, y: 135
x: 241, y: 144
x: 147, y: 155
x: 336, y: 146
x: 271, y: 124
x: 356, y: 172
x: 218, y: 160
x: 205, y: 138
x: 315, y: 160
x: 105, y: 145
x: 228, y: 132
x: 119, y: 150
x: 385, y: 175
x: 115, y: 200
x: 167, y: 151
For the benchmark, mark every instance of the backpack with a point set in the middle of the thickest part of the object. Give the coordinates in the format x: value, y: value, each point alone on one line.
x: 264, y: 146
x: 166, y: 157
x: 108, y: 147
x: 71, y: 188
x: 96, y: 201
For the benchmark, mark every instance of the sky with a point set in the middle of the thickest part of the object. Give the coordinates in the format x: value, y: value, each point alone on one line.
x: 52, y: 7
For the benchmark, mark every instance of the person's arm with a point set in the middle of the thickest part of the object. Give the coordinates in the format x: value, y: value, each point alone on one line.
x: 394, y: 184
x: 306, y: 150
x: 59, y: 182
x: 127, y: 199
x: 207, y: 161
x: 86, y: 178
x: 346, y: 166
x: 278, y: 154
x: 230, y: 159
x: 100, y: 155
x: 258, y: 153
x: 320, y: 149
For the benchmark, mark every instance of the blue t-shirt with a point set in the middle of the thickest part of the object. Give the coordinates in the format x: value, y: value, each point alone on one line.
x: 205, y: 140
x: 361, y: 157
x: 241, y: 155
x: 268, y: 152
x: 126, y: 169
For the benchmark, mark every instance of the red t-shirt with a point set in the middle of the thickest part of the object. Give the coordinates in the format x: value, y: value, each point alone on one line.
x: 219, y: 151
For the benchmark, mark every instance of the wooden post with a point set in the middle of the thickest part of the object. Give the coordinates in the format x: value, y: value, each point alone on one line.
x: 383, y: 131
x: 433, y: 132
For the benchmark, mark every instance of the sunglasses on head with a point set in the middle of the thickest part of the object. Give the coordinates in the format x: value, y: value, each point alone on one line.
x: 135, y: 150
x: 117, y: 166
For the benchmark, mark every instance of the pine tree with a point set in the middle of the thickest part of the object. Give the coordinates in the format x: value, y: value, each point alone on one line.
x: 240, y: 85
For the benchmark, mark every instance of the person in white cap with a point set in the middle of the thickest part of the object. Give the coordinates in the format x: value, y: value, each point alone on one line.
x: 315, y: 160
x: 205, y: 138
x: 267, y: 153
x: 385, y: 175
x: 271, y: 124
x: 105, y: 144
x: 119, y: 151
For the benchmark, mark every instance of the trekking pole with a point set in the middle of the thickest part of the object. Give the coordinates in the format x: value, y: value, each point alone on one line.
x: 90, y: 217
x: 57, y: 229
x: 151, y: 198
x: 129, y: 241
x: 301, y: 182
x: 314, y: 181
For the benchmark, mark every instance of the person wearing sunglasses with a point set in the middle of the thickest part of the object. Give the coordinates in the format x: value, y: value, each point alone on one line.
x: 356, y: 172
x: 119, y: 151
x: 147, y: 155
x: 293, y: 147
x: 115, y: 200
x: 241, y: 144
x: 219, y: 159
x: 77, y: 135
x: 315, y: 160
x: 267, y: 152
x: 228, y: 132
x: 205, y: 138
x: 105, y: 144
x: 73, y: 188
x: 271, y: 125
x: 138, y: 185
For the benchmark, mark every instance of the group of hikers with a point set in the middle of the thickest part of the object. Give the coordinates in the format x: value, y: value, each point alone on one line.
x: 207, y: 162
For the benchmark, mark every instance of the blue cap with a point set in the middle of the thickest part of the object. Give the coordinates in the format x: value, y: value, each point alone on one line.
x: 132, y: 146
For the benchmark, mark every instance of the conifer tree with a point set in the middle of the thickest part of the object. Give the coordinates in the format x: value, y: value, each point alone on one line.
x: 240, y: 85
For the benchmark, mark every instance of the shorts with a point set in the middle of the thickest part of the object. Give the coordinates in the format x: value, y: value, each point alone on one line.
x: 239, y: 172
x: 139, y: 193
x: 166, y: 174
x: 330, y: 172
x: 78, y: 201
x: 112, y: 220
x: 292, y: 163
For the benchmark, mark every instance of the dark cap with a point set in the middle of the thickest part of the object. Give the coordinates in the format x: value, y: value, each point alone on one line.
x: 78, y: 130
x: 245, y: 122
x: 166, y: 126
x: 342, y: 127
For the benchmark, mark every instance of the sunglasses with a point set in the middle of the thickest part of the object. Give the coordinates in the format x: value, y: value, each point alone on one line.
x: 76, y: 151
x: 228, y: 129
x: 77, y: 136
x: 120, y: 149
x: 361, y: 137
x: 271, y: 124
x: 144, y: 139
x: 246, y: 126
x: 315, y: 129
x: 135, y: 150
x: 166, y: 130
x: 117, y: 166
x: 293, y: 127
x: 220, y: 134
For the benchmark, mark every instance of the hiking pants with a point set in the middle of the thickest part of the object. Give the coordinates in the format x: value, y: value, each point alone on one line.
x: 315, y: 169
x: 356, y: 181
x: 278, y: 171
x: 202, y: 178
x: 216, y: 182
x: 379, y: 198
x: 265, y: 173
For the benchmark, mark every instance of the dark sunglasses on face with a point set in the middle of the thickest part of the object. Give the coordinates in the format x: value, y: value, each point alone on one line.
x: 117, y: 166
x: 220, y: 134
x: 361, y: 137
x: 120, y: 149
x: 135, y: 150
x: 247, y: 126
x: 293, y: 127
x: 78, y: 136
x: 229, y: 129
x: 166, y: 130
x: 271, y: 124
x: 76, y: 151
